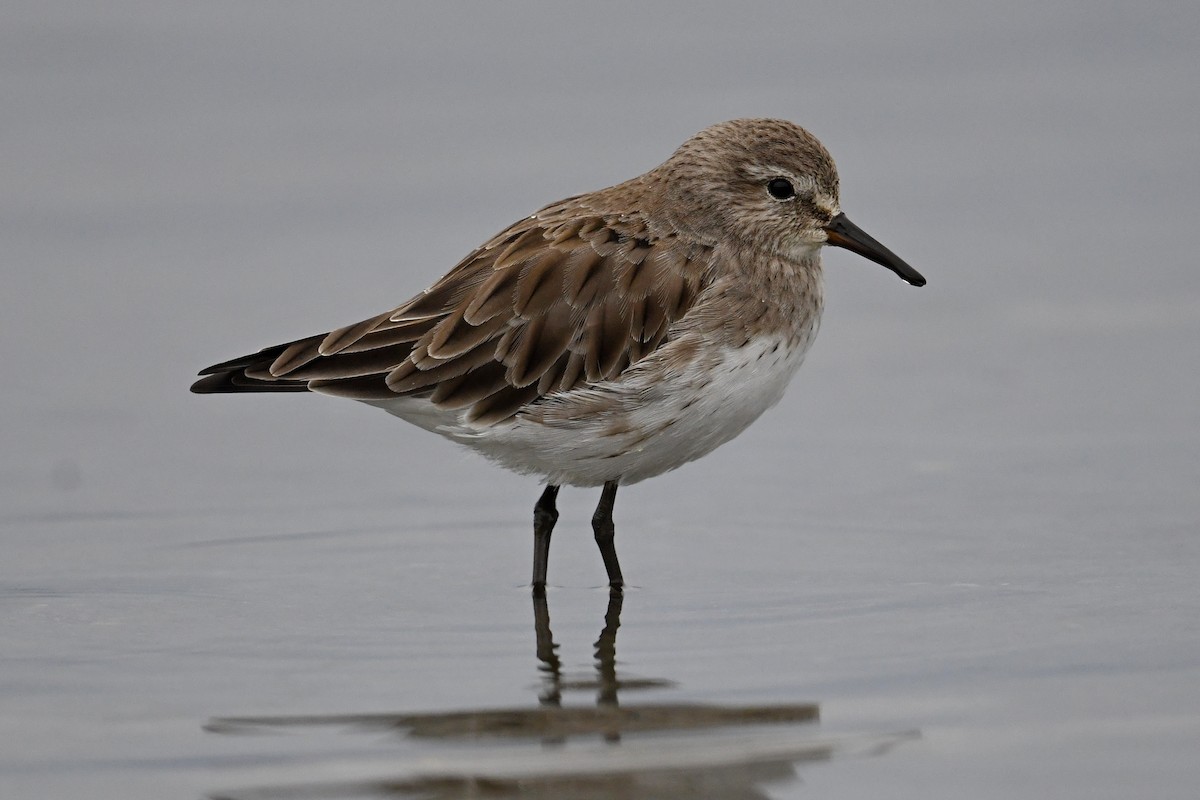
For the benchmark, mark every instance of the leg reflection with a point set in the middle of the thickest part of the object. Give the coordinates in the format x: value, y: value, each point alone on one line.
x: 606, y: 651
x: 606, y: 682
x: 606, y: 659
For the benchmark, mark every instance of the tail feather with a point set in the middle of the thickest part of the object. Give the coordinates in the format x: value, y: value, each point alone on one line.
x: 235, y: 381
x: 230, y: 377
x: 347, y: 367
x: 262, y: 358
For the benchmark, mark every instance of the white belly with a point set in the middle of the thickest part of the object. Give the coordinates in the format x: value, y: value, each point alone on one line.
x: 663, y: 413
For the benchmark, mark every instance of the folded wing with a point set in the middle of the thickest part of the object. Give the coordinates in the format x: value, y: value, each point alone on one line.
x: 546, y: 306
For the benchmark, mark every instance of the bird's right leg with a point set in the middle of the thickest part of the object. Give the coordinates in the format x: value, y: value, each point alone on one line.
x: 602, y: 525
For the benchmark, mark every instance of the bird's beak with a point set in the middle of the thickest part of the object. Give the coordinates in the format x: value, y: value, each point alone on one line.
x: 844, y: 233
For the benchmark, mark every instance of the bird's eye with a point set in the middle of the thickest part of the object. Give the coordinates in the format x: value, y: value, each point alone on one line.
x: 781, y: 189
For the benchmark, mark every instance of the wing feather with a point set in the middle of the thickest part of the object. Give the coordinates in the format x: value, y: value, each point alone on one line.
x: 495, y: 296
x: 386, y: 334
x: 410, y: 378
x: 540, y: 285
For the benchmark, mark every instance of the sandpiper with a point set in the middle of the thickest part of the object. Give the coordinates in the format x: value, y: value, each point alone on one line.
x: 609, y: 337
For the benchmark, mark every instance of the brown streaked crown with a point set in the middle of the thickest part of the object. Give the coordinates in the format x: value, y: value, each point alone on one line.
x: 716, y: 184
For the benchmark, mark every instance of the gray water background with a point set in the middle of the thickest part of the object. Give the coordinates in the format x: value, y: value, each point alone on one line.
x: 975, y: 515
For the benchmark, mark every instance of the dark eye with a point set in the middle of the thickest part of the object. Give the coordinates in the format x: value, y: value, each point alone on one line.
x: 781, y: 189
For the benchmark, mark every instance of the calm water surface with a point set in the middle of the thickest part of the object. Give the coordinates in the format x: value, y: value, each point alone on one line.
x: 960, y: 559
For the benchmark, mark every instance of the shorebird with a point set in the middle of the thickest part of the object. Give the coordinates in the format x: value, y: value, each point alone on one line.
x: 611, y: 336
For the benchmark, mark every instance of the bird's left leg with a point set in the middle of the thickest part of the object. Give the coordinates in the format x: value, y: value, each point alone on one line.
x: 545, y: 514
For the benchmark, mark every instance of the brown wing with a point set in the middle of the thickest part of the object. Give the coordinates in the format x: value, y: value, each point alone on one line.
x: 545, y: 306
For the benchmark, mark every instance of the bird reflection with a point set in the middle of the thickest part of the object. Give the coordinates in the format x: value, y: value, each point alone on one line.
x: 571, y: 752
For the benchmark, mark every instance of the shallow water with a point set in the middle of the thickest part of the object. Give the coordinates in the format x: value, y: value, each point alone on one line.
x: 959, y: 559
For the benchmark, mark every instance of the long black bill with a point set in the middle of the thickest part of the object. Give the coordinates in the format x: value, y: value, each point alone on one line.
x: 844, y: 233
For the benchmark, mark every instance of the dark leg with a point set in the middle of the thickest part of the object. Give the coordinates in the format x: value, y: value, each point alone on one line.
x: 602, y: 524
x: 544, y: 517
